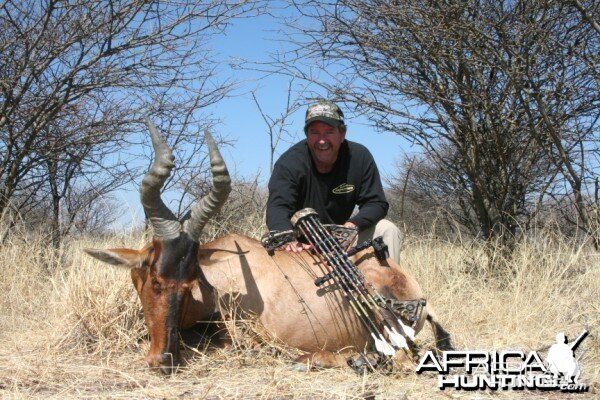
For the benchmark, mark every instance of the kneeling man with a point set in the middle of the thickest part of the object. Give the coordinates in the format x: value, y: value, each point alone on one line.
x: 332, y: 175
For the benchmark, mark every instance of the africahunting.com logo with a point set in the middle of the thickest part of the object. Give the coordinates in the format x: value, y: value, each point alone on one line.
x: 509, y: 369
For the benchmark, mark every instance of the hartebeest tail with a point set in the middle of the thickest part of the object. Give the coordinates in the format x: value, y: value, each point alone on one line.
x: 443, y: 341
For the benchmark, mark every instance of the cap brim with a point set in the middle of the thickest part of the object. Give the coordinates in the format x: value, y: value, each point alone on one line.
x: 327, y: 120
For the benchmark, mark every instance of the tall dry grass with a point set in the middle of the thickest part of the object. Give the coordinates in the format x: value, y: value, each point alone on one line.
x: 71, y: 327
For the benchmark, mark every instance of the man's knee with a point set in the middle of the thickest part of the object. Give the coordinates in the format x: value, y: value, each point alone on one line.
x: 387, y: 228
x: 392, y: 237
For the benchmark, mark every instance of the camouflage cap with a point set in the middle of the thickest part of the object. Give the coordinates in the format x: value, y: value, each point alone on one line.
x: 325, y: 111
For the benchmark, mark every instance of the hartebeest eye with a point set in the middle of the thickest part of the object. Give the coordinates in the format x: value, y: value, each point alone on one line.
x: 156, y: 287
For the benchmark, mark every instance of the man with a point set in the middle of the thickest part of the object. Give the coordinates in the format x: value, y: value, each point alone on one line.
x: 332, y: 175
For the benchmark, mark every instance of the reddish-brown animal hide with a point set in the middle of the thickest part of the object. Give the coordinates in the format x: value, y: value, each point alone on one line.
x: 180, y: 282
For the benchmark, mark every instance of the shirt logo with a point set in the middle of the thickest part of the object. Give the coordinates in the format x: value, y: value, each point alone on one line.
x: 343, y: 188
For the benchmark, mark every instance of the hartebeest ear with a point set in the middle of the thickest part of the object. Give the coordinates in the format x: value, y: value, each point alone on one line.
x: 120, y: 257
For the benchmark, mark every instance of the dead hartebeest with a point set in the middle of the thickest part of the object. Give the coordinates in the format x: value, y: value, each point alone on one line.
x: 181, y: 282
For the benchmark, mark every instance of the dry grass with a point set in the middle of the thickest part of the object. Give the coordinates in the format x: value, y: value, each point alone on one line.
x: 71, y: 327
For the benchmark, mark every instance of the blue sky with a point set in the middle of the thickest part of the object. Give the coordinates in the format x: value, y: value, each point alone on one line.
x: 253, y: 39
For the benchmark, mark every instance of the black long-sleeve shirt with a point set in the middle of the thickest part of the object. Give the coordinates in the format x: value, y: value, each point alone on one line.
x: 354, y: 180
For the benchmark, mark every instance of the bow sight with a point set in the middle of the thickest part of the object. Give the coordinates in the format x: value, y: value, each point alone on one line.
x: 373, y: 311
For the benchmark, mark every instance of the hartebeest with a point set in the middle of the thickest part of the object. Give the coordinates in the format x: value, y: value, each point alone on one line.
x: 181, y: 282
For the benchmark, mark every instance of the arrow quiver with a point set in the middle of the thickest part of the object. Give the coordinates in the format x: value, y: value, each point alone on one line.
x: 376, y: 313
x: 277, y: 239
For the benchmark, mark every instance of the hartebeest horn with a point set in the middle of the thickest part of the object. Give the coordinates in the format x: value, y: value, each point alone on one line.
x: 212, y: 202
x: 163, y: 221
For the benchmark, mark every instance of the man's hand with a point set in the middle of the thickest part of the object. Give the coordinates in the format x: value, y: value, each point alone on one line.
x: 349, y: 224
x: 296, y: 247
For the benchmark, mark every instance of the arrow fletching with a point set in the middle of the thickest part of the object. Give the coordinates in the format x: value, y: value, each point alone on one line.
x: 382, y: 346
x: 397, y: 339
x: 408, y: 331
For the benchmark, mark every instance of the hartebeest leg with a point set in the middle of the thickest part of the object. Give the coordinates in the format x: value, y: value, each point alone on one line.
x: 318, y: 360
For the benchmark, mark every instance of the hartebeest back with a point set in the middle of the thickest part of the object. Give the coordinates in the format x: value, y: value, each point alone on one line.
x: 180, y: 282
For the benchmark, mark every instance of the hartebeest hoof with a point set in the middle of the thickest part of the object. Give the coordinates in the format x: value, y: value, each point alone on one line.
x: 298, y: 367
x: 370, y: 362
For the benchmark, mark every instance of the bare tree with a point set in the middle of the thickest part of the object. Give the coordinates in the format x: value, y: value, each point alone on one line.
x: 278, y: 126
x: 459, y: 79
x: 560, y: 90
x: 244, y: 211
x: 76, y: 79
x: 586, y: 15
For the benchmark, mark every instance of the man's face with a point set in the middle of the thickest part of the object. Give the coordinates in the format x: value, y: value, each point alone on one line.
x: 324, y: 143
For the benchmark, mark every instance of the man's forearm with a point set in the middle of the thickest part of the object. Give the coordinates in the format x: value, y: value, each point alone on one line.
x: 278, y: 219
x: 369, y: 214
